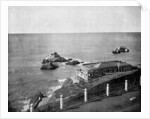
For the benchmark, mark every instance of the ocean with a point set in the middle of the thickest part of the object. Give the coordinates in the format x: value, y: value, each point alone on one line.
x: 26, y: 52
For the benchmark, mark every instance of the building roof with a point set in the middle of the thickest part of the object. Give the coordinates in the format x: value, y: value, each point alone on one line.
x: 105, y: 64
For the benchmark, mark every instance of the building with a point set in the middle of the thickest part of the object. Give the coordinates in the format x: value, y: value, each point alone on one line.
x: 90, y: 71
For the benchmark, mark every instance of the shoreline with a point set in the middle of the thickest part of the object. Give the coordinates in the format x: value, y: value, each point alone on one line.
x: 49, y: 92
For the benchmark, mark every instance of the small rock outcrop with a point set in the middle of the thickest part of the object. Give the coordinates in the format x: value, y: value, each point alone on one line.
x: 48, y: 66
x: 121, y: 49
x: 74, y: 62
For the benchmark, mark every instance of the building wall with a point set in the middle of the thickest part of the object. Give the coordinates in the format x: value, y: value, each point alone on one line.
x: 125, y: 68
x: 82, y: 75
x: 88, y: 75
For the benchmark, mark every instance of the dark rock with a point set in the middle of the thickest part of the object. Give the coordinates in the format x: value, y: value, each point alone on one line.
x: 48, y: 62
x: 36, y: 99
x: 48, y: 66
x: 75, y: 62
x: 54, y: 57
x: 116, y: 51
x: 69, y: 59
x: 120, y: 50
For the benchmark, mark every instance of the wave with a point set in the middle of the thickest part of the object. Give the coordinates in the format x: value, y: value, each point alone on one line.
x: 25, y: 103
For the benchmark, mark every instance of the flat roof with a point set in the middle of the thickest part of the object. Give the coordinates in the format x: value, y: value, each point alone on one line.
x: 105, y: 64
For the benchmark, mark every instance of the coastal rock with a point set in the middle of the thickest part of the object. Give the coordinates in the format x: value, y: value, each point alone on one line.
x: 49, y: 62
x: 54, y: 57
x: 35, y: 99
x: 120, y: 50
x: 74, y: 62
x: 48, y: 66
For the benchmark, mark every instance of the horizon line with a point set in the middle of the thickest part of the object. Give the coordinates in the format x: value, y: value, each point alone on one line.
x: 75, y: 32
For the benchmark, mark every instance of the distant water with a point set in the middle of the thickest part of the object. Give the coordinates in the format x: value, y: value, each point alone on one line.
x: 26, y: 51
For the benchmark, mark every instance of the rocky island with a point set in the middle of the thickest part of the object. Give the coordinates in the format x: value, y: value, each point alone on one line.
x: 54, y: 57
x: 49, y: 63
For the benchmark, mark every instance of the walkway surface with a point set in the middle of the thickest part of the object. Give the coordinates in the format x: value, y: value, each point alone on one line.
x: 128, y: 102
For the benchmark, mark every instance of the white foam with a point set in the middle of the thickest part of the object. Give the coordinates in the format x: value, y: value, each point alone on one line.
x: 49, y: 94
x: 85, y: 62
x: 67, y: 58
x: 63, y: 63
x: 52, y: 89
x: 26, y: 105
x: 61, y: 81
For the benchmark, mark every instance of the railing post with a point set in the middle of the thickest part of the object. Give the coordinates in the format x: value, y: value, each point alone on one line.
x: 126, y: 85
x: 118, y: 65
x: 85, y: 95
x: 31, y: 107
x: 107, y: 90
x: 61, y: 102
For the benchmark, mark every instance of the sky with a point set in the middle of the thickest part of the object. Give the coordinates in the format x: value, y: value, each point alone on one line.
x: 73, y: 19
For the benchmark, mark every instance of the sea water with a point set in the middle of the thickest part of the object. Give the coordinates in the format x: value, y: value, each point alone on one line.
x: 26, y: 52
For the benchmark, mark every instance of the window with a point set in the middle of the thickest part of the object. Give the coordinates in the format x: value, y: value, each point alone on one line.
x: 129, y: 68
x: 104, y: 70
x: 96, y: 73
x: 100, y: 72
x: 110, y: 69
x: 113, y: 69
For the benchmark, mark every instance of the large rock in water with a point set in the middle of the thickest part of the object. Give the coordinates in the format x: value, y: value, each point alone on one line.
x: 54, y: 57
x: 48, y: 66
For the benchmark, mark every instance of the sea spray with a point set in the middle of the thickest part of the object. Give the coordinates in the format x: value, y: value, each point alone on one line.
x: 25, y: 103
x: 49, y: 93
x: 52, y: 89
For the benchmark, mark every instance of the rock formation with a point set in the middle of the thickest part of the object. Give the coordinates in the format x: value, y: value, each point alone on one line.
x: 49, y: 62
x: 54, y: 57
x: 48, y: 66
x: 74, y: 62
